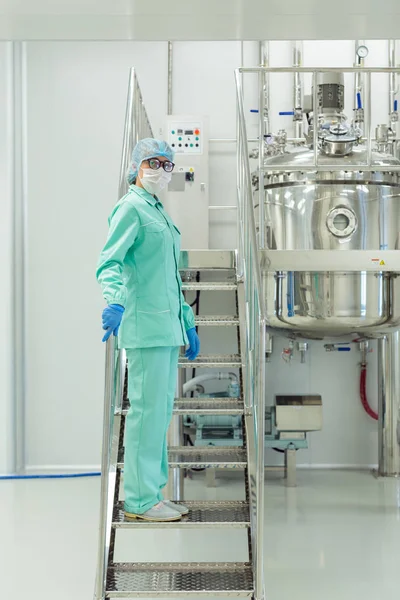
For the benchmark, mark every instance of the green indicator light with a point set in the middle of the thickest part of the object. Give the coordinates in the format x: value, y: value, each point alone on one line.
x: 191, y: 145
x: 180, y: 139
x: 173, y: 132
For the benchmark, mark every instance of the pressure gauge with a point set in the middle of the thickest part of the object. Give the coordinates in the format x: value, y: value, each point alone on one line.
x: 362, y: 51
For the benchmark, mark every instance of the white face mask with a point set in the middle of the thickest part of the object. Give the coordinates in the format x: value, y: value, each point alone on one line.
x: 154, y: 181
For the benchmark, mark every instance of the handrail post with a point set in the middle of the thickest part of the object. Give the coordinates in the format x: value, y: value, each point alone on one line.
x: 108, y: 418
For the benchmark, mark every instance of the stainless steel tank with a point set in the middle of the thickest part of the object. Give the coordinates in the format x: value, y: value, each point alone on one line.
x: 347, y: 210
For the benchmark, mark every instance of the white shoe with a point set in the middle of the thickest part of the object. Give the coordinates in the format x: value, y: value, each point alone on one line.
x: 160, y: 512
x: 180, y: 508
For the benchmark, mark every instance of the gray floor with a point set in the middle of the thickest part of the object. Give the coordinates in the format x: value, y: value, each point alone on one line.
x: 335, y: 537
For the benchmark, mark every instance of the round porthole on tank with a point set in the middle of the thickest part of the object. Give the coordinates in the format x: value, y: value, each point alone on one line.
x: 341, y: 221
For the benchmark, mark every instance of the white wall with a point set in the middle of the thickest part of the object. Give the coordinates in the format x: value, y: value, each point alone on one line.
x: 76, y: 105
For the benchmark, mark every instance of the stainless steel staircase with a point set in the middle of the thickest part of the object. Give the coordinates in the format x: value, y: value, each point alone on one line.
x: 237, y: 273
x: 123, y: 580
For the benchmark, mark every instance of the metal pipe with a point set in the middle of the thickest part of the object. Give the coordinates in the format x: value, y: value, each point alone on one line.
x: 319, y: 69
x: 250, y: 140
x: 108, y: 418
x: 389, y: 404
x: 248, y: 192
x: 175, y: 438
x: 358, y: 79
x: 298, y: 89
x: 19, y: 255
x: 369, y: 121
x: 170, y: 75
x: 254, y: 356
x: 261, y: 147
x: 315, y: 119
x: 227, y: 207
x: 264, y: 62
x: 260, y: 404
x: 393, y: 79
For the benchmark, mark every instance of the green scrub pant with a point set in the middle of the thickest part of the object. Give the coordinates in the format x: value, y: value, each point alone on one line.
x: 152, y: 378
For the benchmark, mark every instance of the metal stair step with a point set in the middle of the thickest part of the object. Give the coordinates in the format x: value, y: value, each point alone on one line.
x: 210, y: 361
x: 126, y: 580
x: 202, y: 458
x: 209, y: 286
x: 217, y: 320
x: 203, y: 406
x: 202, y: 514
x: 208, y: 406
x: 208, y: 457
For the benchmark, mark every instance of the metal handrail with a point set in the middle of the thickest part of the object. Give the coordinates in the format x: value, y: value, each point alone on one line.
x: 108, y: 422
x: 137, y: 126
x: 255, y: 331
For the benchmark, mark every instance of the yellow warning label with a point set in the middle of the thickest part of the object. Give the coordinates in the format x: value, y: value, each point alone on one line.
x: 382, y: 262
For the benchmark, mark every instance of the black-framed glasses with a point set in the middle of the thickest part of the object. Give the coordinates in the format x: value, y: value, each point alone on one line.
x: 155, y: 164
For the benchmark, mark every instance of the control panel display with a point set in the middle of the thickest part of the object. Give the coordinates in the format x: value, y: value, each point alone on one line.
x: 186, y: 138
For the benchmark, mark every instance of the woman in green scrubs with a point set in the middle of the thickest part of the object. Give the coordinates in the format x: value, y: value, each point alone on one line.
x: 139, y: 276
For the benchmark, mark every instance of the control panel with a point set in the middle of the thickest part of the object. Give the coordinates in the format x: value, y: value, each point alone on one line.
x: 187, y: 196
x: 186, y: 138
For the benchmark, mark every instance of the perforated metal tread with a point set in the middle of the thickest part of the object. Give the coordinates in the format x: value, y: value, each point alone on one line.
x: 209, y: 457
x: 208, y: 406
x: 211, y: 286
x: 217, y: 320
x: 146, y: 580
x: 210, y: 361
x: 202, y: 514
x: 187, y: 457
x: 203, y: 406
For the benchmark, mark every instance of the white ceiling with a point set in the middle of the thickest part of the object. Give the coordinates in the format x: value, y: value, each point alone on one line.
x: 198, y: 20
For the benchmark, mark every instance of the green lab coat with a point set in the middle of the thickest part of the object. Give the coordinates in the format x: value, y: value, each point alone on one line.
x: 138, y: 269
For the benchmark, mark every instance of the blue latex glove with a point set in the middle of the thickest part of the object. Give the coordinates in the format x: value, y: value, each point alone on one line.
x: 112, y: 316
x: 194, y: 344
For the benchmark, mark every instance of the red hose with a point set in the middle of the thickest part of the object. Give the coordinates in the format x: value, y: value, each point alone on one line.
x: 363, y: 393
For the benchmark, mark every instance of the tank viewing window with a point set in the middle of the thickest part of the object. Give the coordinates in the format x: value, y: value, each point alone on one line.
x: 341, y: 221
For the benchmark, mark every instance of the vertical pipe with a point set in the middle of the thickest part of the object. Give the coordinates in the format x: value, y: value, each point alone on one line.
x: 297, y: 87
x: 264, y: 62
x: 358, y: 77
x: 108, y: 416
x: 393, y: 82
x: 260, y: 412
x: 368, y: 113
x: 19, y: 184
x: 175, y: 438
x: 261, y: 134
x: 170, y: 74
x: 389, y: 404
x: 315, y: 117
